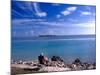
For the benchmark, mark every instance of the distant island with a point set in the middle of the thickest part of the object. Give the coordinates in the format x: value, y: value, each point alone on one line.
x: 48, y: 35
x: 66, y: 35
x: 53, y: 37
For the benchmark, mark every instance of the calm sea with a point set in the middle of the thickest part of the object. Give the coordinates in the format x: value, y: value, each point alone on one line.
x: 68, y: 48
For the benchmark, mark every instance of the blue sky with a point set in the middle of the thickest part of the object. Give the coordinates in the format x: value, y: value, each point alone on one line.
x: 34, y: 18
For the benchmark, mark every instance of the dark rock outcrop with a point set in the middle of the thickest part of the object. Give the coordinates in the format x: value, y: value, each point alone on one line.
x: 57, y: 58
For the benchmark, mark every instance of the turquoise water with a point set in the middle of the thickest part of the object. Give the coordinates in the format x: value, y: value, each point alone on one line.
x: 68, y: 49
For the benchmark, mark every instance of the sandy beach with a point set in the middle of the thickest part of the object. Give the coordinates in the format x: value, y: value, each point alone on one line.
x: 25, y: 67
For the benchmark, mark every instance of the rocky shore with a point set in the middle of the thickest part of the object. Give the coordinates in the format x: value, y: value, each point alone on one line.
x: 56, y: 64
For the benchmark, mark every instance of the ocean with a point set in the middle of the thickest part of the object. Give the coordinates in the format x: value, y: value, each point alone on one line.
x: 69, y: 49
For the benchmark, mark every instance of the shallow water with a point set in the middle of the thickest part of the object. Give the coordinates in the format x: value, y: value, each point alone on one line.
x: 68, y: 49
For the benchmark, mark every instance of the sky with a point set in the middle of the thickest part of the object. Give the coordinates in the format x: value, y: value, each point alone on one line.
x: 37, y: 18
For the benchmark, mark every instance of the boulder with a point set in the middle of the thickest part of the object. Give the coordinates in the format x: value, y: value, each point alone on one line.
x: 56, y: 58
x: 77, y: 62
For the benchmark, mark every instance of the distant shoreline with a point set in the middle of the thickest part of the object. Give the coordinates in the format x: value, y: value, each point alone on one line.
x: 55, y: 36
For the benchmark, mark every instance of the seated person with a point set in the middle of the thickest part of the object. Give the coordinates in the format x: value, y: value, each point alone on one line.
x: 41, y: 58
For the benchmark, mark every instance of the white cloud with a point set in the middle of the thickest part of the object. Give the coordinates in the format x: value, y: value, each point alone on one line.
x: 26, y: 21
x: 39, y: 11
x: 50, y: 23
x: 88, y: 28
x: 29, y: 22
x: 17, y: 13
x: 72, y: 29
x: 87, y: 25
x: 71, y: 8
x: 41, y: 14
x: 55, y: 27
x: 27, y: 7
x: 86, y: 13
x: 68, y: 10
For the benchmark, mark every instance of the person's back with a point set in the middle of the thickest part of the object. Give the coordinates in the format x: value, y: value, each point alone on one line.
x: 41, y: 59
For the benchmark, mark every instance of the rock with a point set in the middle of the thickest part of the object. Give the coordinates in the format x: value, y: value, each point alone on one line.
x: 56, y: 58
x: 57, y: 61
x: 90, y: 67
x: 77, y: 62
x: 85, y: 66
x: 77, y: 65
x: 94, y: 64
